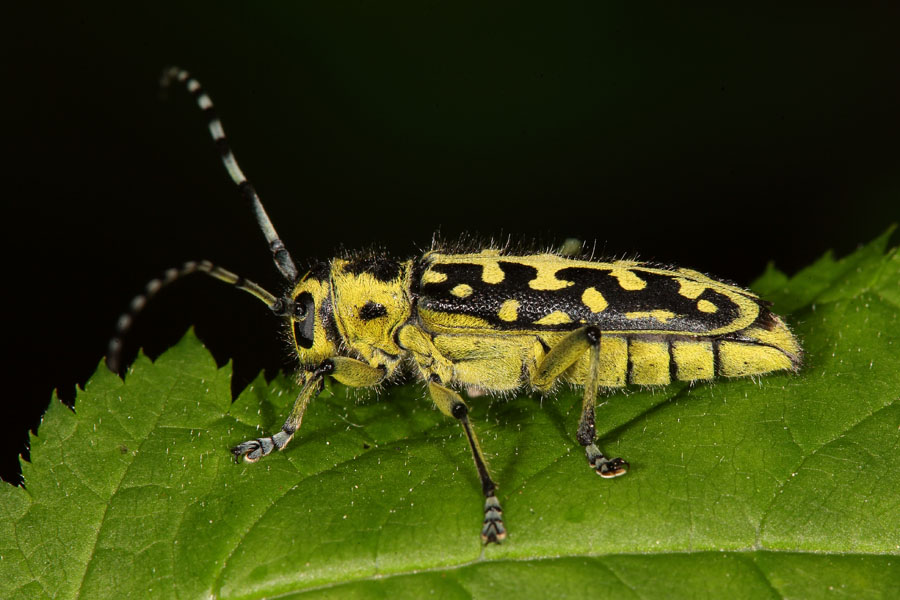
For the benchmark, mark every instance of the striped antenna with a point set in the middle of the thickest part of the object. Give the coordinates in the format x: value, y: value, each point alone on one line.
x: 114, y: 352
x: 282, y: 258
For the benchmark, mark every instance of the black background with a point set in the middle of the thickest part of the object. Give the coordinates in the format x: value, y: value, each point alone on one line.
x: 717, y: 138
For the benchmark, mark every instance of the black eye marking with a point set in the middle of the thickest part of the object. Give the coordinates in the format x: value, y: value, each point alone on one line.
x: 304, y: 328
x: 372, y: 310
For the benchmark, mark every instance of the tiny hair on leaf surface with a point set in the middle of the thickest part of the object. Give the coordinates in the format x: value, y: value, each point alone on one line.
x: 784, y: 486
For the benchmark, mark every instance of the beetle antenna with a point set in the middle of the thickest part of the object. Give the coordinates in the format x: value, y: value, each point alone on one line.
x: 282, y: 258
x: 280, y: 306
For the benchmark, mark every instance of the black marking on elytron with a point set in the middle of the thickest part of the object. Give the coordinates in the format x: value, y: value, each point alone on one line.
x: 660, y: 293
x: 673, y: 366
x: 372, y: 310
x: 380, y: 267
x: 304, y: 328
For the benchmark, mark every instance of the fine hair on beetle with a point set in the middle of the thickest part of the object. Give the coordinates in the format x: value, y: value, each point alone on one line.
x: 492, y: 318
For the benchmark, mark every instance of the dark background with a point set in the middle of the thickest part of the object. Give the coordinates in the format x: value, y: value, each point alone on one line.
x: 718, y: 138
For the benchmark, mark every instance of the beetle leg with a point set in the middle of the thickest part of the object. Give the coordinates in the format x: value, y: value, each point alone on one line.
x: 346, y: 370
x: 587, y: 434
x: 451, y: 404
x: 562, y: 356
x: 436, y: 369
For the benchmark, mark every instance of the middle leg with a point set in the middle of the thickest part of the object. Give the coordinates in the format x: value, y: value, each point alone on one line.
x: 437, y: 371
x: 451, y: 404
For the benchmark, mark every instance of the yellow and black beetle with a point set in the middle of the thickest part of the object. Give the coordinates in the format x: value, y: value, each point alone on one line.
x: 491, y: 321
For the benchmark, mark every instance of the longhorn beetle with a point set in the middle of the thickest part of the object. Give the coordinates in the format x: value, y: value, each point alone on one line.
x: 492, y: 321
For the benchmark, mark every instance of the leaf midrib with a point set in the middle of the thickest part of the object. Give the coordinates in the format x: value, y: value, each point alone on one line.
x: 425, y: 437
x: 382, y: 576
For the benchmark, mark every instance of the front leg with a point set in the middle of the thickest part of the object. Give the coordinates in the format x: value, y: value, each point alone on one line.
x: 346, y: 370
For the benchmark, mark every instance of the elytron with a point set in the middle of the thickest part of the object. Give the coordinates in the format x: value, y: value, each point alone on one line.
x: 490, y: 322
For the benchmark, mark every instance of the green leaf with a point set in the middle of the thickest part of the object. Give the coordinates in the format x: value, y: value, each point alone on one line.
x: 826, y: 279
x: 786, y: 486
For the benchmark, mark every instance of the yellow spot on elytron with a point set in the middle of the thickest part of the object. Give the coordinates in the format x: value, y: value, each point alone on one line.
x: 707, y: 306
x: 509, y: 311
x: 463, y: 290
x: 660, y: 315
x: 557, y: 317
x: 690, y: 289
x: 546, y: 278
x: 430, y: 276
x: 594, y: 300
x: 492, y: 273
x: 627, y: 279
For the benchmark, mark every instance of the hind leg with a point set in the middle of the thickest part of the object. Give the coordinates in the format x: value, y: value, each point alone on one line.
x: 562, y: 356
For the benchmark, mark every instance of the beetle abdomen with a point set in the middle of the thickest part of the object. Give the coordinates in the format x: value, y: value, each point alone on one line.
x: 659, y: 324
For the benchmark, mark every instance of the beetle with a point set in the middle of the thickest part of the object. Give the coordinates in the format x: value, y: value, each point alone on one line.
x: 494, y: 321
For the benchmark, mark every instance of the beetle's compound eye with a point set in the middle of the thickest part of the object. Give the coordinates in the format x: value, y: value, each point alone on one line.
x: 300, y: 310
x: 304, y: 321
